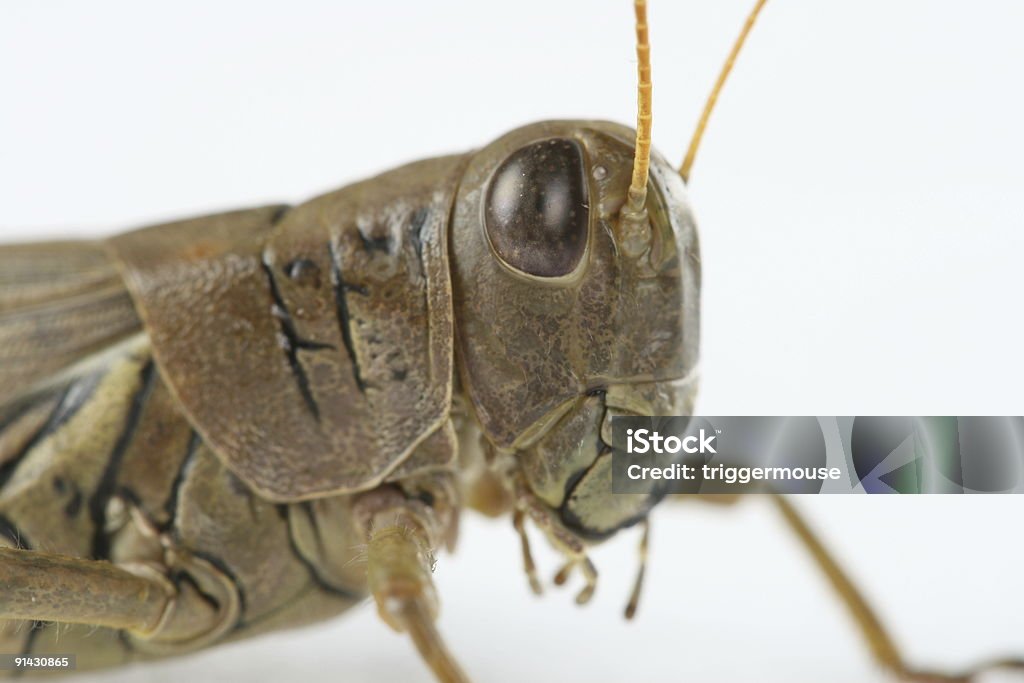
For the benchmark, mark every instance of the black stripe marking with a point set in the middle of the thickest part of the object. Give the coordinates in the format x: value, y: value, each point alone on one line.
x: 303, y: 272
x: 11, y: 532
x: 74, y: 506
x: 416, y: 225
x: 307, y: 509
x: 171, y: 504
x: 14, y: 412
x: 341, y: 307
x: 292, y: 342
x: 222, y: 567
x: 105, y: 489
x: 279, y: 213
x: 577, y: 525
x: 314, y: 573
x: 372, y: 244
x: 284, y: 318
x: 126, y: 642
x: 181, y: 577
x: 73, y: 397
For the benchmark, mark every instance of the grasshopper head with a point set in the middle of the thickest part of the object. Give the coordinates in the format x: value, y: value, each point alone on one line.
x: 567, y: 313
x: 576, y: 279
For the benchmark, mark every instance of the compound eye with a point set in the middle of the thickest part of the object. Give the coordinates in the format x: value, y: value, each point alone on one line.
x: 536, y: 214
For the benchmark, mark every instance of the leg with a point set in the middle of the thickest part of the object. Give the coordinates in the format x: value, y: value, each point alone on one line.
x: 44, y: 587
x: 402, y: 533
x: 162, y: 615
x: 519, y: 522
x: 881, y: 643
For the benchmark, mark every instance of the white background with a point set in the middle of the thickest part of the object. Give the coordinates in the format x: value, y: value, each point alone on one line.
x: 858, y: 194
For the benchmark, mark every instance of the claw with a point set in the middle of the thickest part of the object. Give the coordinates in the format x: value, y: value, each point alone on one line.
x: 563, y: 574
x: 590, y: 576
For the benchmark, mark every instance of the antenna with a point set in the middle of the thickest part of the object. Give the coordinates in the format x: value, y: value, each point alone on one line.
x: 642, y: 158
x: 691, y: 153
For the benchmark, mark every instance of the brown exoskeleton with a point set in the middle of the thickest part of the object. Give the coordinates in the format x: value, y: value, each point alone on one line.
x: 249, y: 421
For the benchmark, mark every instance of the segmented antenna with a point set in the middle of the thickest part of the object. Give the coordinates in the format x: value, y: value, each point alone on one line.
x: 642, y: 157
x: 691, y: 153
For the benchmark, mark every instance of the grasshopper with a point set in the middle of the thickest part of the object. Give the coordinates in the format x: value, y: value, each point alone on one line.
x: 243, y: 422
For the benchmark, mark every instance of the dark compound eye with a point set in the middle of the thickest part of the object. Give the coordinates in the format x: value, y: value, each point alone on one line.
x: 536, y: 213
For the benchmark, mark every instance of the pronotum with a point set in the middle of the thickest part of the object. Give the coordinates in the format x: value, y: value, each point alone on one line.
x: 663, y: 86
